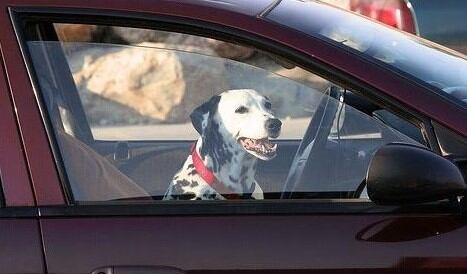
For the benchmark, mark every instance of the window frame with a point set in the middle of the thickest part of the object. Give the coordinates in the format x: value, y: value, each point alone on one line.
x: 21, y: 15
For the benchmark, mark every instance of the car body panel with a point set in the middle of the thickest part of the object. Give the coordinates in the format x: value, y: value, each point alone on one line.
x: 13, y: 168
x: 242, y: 240
x: 258, y: 244
x: 390, y: 84
x: 41, y: 163
x: 21, y: 249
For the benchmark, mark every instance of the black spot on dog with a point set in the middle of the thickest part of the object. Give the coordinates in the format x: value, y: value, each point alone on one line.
x: 177, y: 189
x: 190, y: 166
x: 252, y: 188
x: 210, y: 196
x: 197, y: 116
x: 208, y: 193
x: 194, y: 183
x: 243, y: 171
x: 247, y: 185
x: 187, y: 196
x: 243, y: 183
x: 213, y: 145
x: 182, y: 182
x: 193, y: 172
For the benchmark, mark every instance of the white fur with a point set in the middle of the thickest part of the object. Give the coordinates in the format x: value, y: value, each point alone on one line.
x: 238, y: 173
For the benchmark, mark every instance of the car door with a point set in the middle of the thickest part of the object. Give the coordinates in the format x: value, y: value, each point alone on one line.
x: 115, y: 156
x: 20, y: 239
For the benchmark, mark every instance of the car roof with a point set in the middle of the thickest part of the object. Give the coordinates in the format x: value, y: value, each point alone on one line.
x: 246, y: 7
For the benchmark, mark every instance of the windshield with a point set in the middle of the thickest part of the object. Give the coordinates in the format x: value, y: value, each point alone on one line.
x: 442, y: 68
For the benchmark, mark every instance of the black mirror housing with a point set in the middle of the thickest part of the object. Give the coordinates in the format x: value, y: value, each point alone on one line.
x: 401, y: 174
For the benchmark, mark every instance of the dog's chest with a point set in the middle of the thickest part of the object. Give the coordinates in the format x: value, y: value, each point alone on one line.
x: 187, y: 182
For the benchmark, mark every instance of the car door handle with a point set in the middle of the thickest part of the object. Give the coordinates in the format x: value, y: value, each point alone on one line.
x: 138, y: 270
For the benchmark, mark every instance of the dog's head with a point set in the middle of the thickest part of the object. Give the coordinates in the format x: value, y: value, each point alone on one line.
x: 242, y: 118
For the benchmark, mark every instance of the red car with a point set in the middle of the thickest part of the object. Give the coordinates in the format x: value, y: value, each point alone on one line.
x: 96, y: 99
x: 440, y: 22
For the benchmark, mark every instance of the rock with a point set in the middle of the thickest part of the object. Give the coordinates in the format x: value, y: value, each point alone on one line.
x: 137, y: 36
x: 302, y: 76
x: 231, y: 51
x: 160, y: 84
x: 75, y: 32
x: 183, y: 42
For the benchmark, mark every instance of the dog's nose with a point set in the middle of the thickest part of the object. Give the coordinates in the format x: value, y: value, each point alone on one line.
x: 273, y: 124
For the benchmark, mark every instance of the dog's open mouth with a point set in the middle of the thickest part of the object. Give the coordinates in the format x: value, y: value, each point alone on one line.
x: 261, y: 148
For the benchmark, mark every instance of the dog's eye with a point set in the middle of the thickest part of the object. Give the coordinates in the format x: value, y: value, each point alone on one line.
x: 267, y: 105
x: 241, y: 109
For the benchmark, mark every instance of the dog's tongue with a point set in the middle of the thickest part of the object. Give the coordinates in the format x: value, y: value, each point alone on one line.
x: 263, y: 145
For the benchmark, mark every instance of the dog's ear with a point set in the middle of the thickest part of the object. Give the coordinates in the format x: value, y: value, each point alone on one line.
x: 204, y: 113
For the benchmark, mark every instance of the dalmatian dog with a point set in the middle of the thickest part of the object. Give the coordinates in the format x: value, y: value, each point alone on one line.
x: 235, y: 129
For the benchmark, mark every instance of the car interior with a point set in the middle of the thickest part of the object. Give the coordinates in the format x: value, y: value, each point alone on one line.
x: 143, y: 169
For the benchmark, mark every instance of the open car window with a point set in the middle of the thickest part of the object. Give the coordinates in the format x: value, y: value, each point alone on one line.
x: 130, y: 120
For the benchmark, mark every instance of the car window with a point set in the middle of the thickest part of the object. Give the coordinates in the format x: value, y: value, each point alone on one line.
x: 145, y: 114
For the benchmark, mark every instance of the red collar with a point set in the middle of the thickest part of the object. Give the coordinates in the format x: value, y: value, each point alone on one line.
x: 209, y: 177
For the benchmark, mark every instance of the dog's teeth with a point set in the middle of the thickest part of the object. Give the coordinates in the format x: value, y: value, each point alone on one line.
x: 260, y: 146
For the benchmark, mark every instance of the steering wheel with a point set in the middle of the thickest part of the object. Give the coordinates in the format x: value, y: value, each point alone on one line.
x: 315, y: 138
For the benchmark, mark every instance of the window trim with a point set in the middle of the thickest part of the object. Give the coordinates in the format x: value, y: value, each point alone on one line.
x: 244, y: 207
x: 20, y: 15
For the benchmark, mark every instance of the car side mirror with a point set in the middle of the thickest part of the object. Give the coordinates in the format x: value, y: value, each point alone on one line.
x: 401, y: 174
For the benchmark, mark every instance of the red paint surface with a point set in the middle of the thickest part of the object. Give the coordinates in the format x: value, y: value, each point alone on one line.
x: 13, y: 168
x: 42, y: 169
x: 21, y: 249
x: 39, y: 157
x: 320, y: 243
x: 257, y: 244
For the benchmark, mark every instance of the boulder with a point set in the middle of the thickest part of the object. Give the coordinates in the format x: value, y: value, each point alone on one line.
x: 75, y: 32
x: 164, y: 85
x: 194, y: 43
